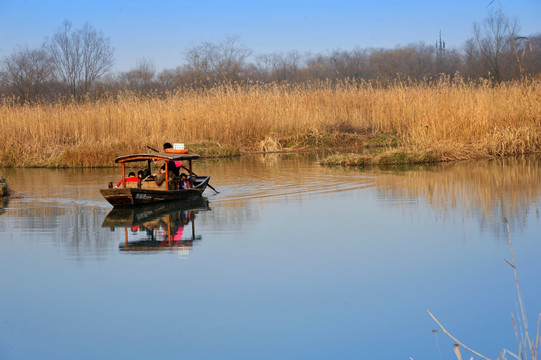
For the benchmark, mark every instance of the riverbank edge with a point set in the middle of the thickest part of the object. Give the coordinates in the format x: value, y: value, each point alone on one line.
x: 96, y: 156
x: 355, y: 151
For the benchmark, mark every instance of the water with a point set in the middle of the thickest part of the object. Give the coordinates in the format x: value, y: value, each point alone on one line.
x: 290, y: 260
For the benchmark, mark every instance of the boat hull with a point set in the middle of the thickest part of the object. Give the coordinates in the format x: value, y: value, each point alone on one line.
x: 135, y: 196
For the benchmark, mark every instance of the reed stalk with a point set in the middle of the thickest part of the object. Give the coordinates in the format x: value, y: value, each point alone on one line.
x: 525, y: 346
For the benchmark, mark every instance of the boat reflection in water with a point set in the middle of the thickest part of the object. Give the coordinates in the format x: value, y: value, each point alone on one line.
x: 157, y: 227
x: 4, y: 201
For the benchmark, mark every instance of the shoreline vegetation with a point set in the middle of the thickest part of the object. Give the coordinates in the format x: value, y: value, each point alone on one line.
x: 358, y: 122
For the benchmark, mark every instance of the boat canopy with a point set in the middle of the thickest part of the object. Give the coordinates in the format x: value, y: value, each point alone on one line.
x: 155, y: 156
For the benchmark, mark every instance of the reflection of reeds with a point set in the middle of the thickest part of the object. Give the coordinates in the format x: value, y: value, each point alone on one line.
x: 526, y: 349
x: 480, y: 190
x: 490, y: 188
x: 448, y: 119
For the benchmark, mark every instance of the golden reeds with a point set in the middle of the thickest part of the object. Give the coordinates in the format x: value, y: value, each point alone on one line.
x: 449, y: 120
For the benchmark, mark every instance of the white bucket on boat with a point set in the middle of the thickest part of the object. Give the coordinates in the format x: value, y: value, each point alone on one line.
x: 178, y: 146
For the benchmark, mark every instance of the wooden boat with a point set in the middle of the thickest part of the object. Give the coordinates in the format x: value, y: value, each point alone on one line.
x: 146, y: 191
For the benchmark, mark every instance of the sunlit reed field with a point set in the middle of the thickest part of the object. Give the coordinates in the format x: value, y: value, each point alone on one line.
x: 446, y: 120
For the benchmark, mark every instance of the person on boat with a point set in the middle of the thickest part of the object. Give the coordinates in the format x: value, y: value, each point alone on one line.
x: 184, y: 183
x: 159, y: 179
x: 141, y: 175
x: 131, y: 178
x: 172, y: 165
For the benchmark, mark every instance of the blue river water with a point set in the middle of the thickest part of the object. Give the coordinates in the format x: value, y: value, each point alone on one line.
x: 290, y: 260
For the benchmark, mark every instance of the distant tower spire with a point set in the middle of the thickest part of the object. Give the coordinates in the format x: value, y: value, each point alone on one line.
x: 440, y: 47
x: 440, y: 44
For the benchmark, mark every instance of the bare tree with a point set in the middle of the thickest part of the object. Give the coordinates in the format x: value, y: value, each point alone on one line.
x: 217, y: 61
x: 448, y: 62
x: 491, y: 47
x: 26, y: 74
x: 414, y: 61
x: 319, y: 66
x: 529, y: 50
x: 350, y: 64
x: 278, y: 66
x: 171, y: 79
x: 80, y: 57
x: 141, y: 79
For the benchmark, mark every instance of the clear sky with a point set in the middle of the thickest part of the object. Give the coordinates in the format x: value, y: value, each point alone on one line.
x: 162, y: 30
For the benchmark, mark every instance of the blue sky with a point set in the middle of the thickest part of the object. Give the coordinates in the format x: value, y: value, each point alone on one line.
x: 162, y: 30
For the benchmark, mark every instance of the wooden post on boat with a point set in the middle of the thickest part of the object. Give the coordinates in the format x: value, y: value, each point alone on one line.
x: 123, y: 175
x: 191, y: 172
x: 169, y: 230
x: 166, y: 175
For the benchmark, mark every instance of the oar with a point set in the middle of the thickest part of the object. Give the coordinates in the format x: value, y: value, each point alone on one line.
x: 182, y: 166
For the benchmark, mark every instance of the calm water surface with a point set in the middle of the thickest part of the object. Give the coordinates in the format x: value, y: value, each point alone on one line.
x: 290, y: 260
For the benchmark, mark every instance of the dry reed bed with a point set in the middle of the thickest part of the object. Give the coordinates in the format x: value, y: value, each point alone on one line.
x: 449, y: 119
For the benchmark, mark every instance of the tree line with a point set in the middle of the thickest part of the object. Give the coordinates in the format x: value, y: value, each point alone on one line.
x: 76, y: 64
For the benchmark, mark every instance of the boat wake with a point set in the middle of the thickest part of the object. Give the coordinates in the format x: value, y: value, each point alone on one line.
x: 292, y: 187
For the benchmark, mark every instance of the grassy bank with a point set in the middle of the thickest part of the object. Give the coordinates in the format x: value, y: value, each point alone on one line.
x: 448, y: 120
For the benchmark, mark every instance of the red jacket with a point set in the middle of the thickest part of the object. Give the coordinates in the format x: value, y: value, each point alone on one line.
x: 128, y: 179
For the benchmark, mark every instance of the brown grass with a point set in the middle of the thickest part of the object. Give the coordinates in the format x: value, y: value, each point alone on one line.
x: 448, y: 120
